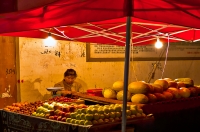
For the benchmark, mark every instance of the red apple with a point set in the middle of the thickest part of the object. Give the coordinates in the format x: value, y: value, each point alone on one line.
x: 67, y: 115
x: 157, y: 88
x: 55, y: 117
x: 184, y: 92
x: 51, y: 117
x: 152, y: 98
x: 173, y: 84
x: 160, y: 96
x: 72, y: 108
x: 59, y: 118
x: 181, y: 84
x: 64, y: 119
x: 175, y: 92
x: 51, y: 113
x: 65, y: 109
x: 163, y: 83
x: 168, y: 95
x: 193, y: 91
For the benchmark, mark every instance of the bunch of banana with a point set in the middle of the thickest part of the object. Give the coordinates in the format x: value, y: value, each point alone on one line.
x: 187, y: 81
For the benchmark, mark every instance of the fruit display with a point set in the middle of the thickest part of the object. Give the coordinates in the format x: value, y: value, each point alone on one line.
x: 97, y: 114
x: 166, y: 89
x: 24, y: 107
x: 57, y: 111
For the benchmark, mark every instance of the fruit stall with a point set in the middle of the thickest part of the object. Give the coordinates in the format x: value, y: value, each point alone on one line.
x: 162, y: 106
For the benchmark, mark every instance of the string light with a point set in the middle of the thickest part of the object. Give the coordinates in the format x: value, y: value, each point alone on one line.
x: 158, y: 44
x: 49, y: 41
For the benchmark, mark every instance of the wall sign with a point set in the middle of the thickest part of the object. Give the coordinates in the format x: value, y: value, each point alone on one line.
x: 176, y: 51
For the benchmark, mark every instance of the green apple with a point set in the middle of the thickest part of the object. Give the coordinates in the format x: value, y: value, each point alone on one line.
x: 77, y: 121
x: 81, y: 122
x: 73, y: 121
x: 128, y: 112
x: 34, y: 114
x: 100, y: 121
x: 118, y: 108
x: 106, y: 110
x: 112, y: 114
x: 107, y: 115
x: 128, y: 107
x: 101, y: 116
x: 106, y: 120
x: 100, y: 111
x: 96, y: 116
x: 111, y: 120
x: 83, y: 110
x: 140, y: 110
x: 133, y: 106
x: 112, y: 105
x: 68, y: 120
x: 118, y: 114
x: 95, y: 122
x: 82, y: 116
x: 78, y: 111
x: 89, y: 117
x: 88, y: 122
x: 73, y: 115
x: 133, y: 116
x: 133, y: 111
x: 94, y: 110
x: 111, y: 109
x: 78, y: 117
x: 89, y: 111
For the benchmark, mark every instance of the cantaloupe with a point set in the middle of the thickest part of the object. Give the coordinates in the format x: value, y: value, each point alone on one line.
x: 138, y: 87
x: 139, y: 99
x: 121, y: 93
x: 109, y: 93
x: 118, y: 86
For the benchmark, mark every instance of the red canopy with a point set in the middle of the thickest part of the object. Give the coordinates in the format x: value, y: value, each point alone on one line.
x: 104, y: 21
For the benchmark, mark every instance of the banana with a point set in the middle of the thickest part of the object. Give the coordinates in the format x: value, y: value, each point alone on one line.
x: 187, y: 81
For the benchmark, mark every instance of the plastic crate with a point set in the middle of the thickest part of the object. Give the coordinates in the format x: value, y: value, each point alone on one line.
x: 95, y: 92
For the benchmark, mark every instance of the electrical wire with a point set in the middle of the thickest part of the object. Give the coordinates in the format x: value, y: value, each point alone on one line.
x: 166, y: 56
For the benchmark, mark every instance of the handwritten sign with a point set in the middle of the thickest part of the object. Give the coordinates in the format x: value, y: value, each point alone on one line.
x: 176, y: 51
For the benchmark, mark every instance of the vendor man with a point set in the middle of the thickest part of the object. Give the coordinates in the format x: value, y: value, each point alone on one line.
x: 69, y: 83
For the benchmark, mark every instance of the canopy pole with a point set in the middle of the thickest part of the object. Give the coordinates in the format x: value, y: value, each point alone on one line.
x: 126, y: 71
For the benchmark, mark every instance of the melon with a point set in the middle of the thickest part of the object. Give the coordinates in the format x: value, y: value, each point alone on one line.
x: 138, y: 87
x: 120, y: 95
x: 118, y: 86
x: 139, y: 99
x: 109, y: 94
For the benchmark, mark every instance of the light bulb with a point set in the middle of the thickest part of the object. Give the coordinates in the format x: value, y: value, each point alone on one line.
x: 49, y: 41
x: 158, y: 44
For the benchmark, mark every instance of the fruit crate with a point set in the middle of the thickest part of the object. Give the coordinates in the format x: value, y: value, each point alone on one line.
x: 95, y: 92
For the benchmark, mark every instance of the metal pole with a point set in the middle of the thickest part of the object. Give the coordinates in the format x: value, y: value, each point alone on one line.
x: 126, y: 71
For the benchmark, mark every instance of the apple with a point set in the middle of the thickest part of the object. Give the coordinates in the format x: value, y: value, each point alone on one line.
x: 173, y: 84
x: 118, y: 114
x: 151, y: 88
x: 152, y: 98
x: 82, y: 116
x: 65, y: 109
x: 181, y: 84
x: 128, y: 112
x: 47, y: 116
x: 71, y: 108
x: 117, y: 119
x: 89, y: 111
x: 107, y: 115
x: 63, y: 119
x: 133, y: 116
x: 118, y: 108
x: 184, y: 92
x: 163, y: 83
x: 87, y: 122
x: 157, y: 88
x: 68, y: 120
x: 168, y: 95
x: 67, y: 115
x: 168, y: 79
x: 51, y: 112
x: 81, y: 122
x: 96, y: 116
x: 78, y: 117
x: 100, y: 121
x: 55, y: 117
x: 101, y: 116
x: 112, y: 114
x: 95, y: 122
x: 193, y: 91
x: 106, y: 120
x: 160, y: 96
x: 51, y: 117
x: 89, y: 117
x: 175, y: 92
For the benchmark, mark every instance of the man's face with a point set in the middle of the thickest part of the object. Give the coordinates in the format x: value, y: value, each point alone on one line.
x: 70, y: 79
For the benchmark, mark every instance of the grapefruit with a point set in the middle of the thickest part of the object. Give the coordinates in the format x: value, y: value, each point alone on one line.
x: 120, y: 95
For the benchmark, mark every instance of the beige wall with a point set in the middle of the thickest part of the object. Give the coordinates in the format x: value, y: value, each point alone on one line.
x: 39, y: 71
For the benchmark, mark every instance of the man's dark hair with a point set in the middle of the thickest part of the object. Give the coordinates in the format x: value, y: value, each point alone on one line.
x: 70, y: 72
